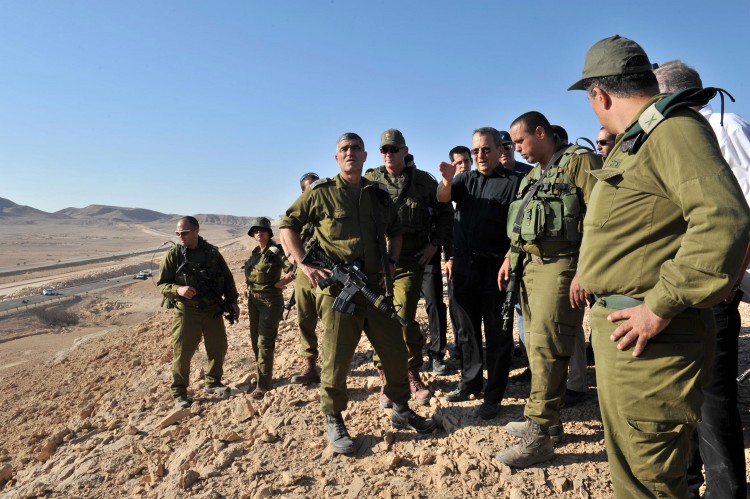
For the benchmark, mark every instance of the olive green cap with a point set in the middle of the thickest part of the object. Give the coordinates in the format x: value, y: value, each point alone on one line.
x: 609, y: 57
x: 392, y: 137
x: 260, y: 223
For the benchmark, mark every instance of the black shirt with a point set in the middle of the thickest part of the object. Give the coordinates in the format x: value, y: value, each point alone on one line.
x: 482, y: 211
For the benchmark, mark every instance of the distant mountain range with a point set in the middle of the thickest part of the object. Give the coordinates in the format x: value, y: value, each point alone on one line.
x: 11, y: 210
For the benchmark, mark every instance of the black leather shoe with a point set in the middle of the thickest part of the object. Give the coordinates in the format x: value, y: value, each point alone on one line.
x: 406, y: 419
x: 488, y: 411
x: 339, y: 438
x: 458, y: 395
x: 438, y: 366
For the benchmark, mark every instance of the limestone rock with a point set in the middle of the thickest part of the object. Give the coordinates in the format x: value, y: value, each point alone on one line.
x: 188, y: 478
x: 561, y: 484
x: 131, y: 430
x: 174, y: 417
x: 48, y: 449
x: 392, y: 460
x: 242, y: 409
x: 6, y: 472
x: 263, y: 491
x: 87, y: 411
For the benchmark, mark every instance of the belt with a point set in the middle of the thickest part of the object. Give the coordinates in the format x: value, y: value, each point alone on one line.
x: 265, y: 292
x: 541, y: 260
x: 617, y: 302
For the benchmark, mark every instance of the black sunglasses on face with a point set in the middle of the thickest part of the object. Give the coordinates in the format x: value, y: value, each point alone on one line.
x: 391, y: 150
x: 603, y: 142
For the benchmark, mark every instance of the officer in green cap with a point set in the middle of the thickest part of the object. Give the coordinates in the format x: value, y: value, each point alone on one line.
x: 194, y: 279
x: 353, y: 217
x: 426, y: 226
x: 267, y: 272
x: 664, y: 238
x: 545, y: 226
x: 307, y: 315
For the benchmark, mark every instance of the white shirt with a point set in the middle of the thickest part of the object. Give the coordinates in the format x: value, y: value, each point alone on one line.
x: 734, y: 141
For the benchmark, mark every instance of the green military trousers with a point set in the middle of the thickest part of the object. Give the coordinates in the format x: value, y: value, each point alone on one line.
x: 650, y: 404
x: 307, y: 315
x: 340, y: 339
x: 188, y: 326
x: 407, y: 286
x: 550, y: 328
x: 265, y: 309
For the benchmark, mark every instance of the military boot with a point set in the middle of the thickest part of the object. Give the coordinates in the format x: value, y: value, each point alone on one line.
x: 535, y: 447
x: 404, y: 418
x: 385, y: 402
x: 308, y: 375
x: 523, y: 428
x: 341, y: 442
x: 421, y: 394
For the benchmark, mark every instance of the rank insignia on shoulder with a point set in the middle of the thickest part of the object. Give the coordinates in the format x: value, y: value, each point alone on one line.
x: 319, y: 182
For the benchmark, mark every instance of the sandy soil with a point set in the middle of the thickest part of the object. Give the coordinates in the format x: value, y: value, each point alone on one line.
x: 85, y: 398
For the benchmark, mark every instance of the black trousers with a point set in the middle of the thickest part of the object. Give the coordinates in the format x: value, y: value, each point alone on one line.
x: 432, y: 292
x: 476, y: 300
x: 717, y: 442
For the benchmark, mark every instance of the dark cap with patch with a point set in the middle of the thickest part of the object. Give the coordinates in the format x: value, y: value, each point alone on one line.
x: 505, y: 137
x: 392, y: 137
x: 609, y: 57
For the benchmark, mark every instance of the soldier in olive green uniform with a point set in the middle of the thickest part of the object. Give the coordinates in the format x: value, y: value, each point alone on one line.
x: 265, y: 303
x: 664, y: 238
x: 545, y: 225
x: 194, y: 279
x: 352, y: 217
x: 307, y: 315
x: 426, y: 226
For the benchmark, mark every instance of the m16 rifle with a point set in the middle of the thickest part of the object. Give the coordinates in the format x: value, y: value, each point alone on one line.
x: 511, y: 292
x: 292, y: 299
x: 207, y: 288
x: 351, y: 280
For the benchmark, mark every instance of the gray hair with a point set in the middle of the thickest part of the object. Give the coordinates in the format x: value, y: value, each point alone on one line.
x: 676, y: 76
x: 492, y: 132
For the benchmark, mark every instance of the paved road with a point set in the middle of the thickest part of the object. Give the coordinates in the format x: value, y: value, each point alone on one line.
x: 16, y: 304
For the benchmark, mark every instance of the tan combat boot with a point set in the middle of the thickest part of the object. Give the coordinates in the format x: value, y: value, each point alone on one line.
x: 385, y: 402
x: 421, y: 394
x: 535, y: 447
x: 308, y: 375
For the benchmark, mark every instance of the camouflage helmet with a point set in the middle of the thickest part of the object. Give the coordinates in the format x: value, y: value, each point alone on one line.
x: 260, y: 223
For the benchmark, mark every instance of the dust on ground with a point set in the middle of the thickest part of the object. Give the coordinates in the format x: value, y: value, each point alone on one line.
x: 86, y: 405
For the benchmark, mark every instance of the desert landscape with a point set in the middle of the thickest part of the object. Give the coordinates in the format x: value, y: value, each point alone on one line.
x: 86, y: 409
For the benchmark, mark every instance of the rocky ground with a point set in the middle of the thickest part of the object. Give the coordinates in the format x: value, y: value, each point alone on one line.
x: 92, y: 417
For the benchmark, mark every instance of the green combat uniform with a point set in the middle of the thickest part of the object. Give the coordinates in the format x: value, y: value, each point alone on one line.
x: 307, y: 315
x: 204, y: 269
x: 265, y: 306
x: 347, y: 227
x: 551, y: 228
x: 423, y: 221
x: 667, y: 225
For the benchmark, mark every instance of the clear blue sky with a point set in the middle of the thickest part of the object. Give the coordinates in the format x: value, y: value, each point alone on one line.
x: 219, y: 107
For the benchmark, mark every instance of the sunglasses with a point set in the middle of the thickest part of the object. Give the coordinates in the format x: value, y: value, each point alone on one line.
x: 483, y: 150
x: 508, y: 147
x: 604, y: 142
x: 389, y: 150
x: 183, y: 232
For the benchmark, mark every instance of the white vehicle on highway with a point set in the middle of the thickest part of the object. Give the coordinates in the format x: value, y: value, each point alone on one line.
x: 50, y: 292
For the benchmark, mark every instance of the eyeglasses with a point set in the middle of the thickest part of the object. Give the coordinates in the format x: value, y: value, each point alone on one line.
x: 391, y: 150
x: 604, y: 142
x: 483, y: 150
x: 508, y: 147
x: 183, y: 232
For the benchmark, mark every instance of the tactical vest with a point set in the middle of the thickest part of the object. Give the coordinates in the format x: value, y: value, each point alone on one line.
x: 554, y: 213
x: 413, y: 211
x: 203, y: 272
x: 263, y: 269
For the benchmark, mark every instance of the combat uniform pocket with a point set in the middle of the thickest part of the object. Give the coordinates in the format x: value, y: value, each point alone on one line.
x: 602, y: 197
x: 339, y: 224
x: 658, y: 448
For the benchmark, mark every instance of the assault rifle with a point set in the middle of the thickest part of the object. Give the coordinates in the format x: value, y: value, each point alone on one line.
x: 351, y: 280
x: 292, y: 299
x: 511, y: 293
x: 206, y: 287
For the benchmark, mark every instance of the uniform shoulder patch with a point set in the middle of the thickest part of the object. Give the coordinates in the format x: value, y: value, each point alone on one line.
x: 319, y: 182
